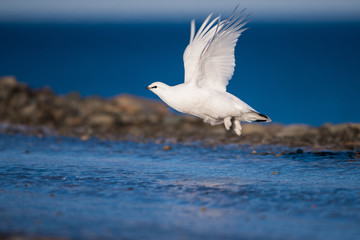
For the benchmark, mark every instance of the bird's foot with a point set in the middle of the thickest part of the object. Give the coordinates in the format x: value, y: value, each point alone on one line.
x: 227, y: 123
x: 237, y: 127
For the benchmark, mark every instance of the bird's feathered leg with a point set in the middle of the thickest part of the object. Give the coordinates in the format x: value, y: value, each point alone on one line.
x: 237, y: 127
x: 211, y: 121
x: 227, y: 123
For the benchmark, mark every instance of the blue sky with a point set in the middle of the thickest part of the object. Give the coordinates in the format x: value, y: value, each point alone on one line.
x: 143, y: 10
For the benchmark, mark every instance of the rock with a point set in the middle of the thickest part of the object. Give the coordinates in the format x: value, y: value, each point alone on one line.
x: 84, y: 137
x: 335, y: 129
x: 171, y: 119
x: 73, y: 121
x: 45, y: 94
x: 355, y: 126
x: 20, y: 99
x: 8, y: 81
x: 7, y: 87
x: 299, y: 151
x: 101, y: 120
x: 152, y: 118
x: 167, y: 147
x: 253, y: 129
x: 134, y: 105
x: 295, y: 130
x: 29, y: 111
x: 73, y: 97
x: 92, y: 105
x: 218, y: 130
x: 126, y: 117
x: 58, y: 114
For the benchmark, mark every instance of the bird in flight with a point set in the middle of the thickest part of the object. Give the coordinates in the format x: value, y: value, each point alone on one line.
x: 209, y: 63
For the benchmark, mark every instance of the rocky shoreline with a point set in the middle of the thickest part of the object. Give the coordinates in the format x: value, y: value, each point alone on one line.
x: 126, y: 117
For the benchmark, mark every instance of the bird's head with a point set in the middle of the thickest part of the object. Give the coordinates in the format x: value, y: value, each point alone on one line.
x: 158, y: 88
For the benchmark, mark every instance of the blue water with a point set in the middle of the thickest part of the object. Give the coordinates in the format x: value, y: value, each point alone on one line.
x: 62, y: 187
x: 293, y: 72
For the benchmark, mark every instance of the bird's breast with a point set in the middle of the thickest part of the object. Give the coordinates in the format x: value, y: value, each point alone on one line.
x: 183, y: 99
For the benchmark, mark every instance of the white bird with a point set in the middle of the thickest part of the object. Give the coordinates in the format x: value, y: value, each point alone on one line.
x: 209, y: 63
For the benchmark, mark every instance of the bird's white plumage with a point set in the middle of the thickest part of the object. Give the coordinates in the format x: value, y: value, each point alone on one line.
x: 209, y: 63
x: 209, y: 58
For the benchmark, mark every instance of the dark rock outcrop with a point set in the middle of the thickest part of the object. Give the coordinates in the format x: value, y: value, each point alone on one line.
x: 129, y: 117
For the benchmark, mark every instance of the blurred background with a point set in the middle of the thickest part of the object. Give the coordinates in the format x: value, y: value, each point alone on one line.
x: 299, y: 61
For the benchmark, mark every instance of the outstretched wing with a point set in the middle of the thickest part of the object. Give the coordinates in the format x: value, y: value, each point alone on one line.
x: 209, y: 58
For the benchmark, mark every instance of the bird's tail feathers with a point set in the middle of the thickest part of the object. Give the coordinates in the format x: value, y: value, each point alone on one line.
x: 256, y: 117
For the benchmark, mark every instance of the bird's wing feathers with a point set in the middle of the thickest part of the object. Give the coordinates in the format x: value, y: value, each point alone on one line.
x: 209, y: 58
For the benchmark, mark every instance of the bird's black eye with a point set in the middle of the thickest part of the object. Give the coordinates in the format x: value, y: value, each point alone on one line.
x: 154, y: 87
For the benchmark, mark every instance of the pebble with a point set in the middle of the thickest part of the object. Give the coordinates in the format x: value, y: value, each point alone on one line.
x: 167, y: 147
x: 299, y: 151
x: 84, y: 137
